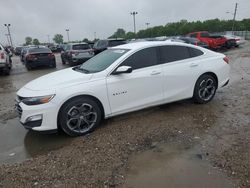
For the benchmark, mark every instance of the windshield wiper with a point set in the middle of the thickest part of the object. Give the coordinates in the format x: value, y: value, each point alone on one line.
x: 79, y: 68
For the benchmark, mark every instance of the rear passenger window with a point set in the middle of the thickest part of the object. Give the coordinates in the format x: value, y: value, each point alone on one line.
x: 142, y: 59
x: 195, y: 52
x: 80, y: 47
x: 194, y: 35
x: 173, y: 53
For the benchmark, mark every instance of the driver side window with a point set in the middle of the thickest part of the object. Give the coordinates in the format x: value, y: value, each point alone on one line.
x: 142, y: 59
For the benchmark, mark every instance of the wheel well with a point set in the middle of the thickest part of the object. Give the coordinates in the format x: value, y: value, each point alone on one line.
x: 80, y: 96
x: 211, y: 74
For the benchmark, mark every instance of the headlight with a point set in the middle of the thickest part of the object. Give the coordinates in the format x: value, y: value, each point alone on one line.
x: 37, y: 100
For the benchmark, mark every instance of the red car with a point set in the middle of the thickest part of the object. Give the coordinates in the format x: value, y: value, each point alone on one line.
x: 213, y: 41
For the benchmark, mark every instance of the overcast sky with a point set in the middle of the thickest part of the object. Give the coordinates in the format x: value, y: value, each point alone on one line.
x: 39, y: 18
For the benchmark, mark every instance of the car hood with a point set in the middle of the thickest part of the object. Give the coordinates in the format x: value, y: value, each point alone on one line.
x: 57, y: 80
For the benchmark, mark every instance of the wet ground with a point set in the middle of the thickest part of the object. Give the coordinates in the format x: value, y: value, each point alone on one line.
x: 174, y: 145
x: 173, y: 166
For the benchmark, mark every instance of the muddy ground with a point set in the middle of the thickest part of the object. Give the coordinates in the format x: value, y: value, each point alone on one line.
x: 173, y: 145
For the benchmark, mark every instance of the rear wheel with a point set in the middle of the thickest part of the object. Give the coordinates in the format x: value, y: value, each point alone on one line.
x: 205, y: 89
x: 54, y: 64
x: 28, y: 67
x: 7, y: 71
x: 63, y: 61
x: 80, y: 116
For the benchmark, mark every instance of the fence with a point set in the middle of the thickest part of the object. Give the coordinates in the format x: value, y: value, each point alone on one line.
x: 244, y: 34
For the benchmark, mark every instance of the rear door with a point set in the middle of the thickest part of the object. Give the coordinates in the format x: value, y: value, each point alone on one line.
x: 142, y: 87
x: 180, y: 70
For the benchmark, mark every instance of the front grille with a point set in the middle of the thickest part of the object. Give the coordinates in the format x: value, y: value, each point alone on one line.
x: 19, y: 110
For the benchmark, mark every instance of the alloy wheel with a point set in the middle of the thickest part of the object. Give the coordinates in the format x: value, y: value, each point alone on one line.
x: 81, y: 118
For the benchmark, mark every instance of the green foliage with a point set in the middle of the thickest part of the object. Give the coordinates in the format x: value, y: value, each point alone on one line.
x: 183, y: 27
x: 36, y: 42
x: 120, y: 33
x: 58, y: 38
x: 28, y: 40
x: 85, y: 40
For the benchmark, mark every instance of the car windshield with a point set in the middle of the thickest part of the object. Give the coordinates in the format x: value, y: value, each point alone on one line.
x: 101, y: 61
x: 204, y: 34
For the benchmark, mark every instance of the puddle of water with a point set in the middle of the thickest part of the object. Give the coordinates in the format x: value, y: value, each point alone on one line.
x: 173, y: 167
x: 18, y: 144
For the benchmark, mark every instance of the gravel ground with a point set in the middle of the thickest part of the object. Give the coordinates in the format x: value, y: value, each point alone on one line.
x: 101, y: 158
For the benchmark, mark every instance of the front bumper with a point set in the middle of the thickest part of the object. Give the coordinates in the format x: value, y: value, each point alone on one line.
x: 29, y: 116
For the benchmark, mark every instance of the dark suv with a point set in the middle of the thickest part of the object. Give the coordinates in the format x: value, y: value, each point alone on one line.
x: 102, y: 45
x: 76, y: 53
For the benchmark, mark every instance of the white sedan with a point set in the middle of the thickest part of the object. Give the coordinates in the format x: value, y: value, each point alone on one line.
x: 120, y: 80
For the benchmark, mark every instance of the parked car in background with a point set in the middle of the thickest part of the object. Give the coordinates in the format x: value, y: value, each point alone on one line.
x: 23, y: 53
x: 39, y: 56
x: 76, y: 53
x: 91, y: 44
x: 102, y: 45
x: 56, y: 48
x: 214, y: 41
x: 18, y: 50
x: 120, y: 80
x: 238, y: 40
x: 194, y: 41
x: 5, y: 60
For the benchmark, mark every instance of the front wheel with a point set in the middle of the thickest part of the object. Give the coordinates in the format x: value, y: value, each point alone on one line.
x: 205, y: 89
x: 79, y: 116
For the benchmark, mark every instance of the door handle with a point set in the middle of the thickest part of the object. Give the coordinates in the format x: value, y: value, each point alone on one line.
x: 155, y: 73
x: 193, y: 65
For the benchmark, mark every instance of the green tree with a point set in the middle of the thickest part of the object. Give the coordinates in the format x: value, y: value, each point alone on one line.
x: 58, y: 38
x: 130, y: 35
x: 85, y: 40
x: 28, y: 40
x: 120, y: 33
x: 36, y: 42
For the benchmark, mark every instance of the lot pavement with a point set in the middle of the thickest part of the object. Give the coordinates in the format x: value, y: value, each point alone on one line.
x: 179, y: 145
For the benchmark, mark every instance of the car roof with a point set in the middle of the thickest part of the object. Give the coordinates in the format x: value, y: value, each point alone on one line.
x: 140, y: 45
x: 77, y: 43
x: 113, y: 39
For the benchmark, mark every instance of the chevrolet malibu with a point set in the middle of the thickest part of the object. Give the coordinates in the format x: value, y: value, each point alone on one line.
x: 121, y: 79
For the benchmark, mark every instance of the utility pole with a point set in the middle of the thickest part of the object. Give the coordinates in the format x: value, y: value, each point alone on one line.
x: 48, y: 39
x: 67, y: 30
x: 133, y: 14
x: 8, y: 28
x: 94, y: 36
x: 7, y: 35
x: 235, y: 12
x: 147, y: 24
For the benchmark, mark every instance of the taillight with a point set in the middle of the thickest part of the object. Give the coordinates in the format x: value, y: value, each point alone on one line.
x: 31, y: 57
x: 237, y: 39
x: 2, y: 55
x: 226, y: 59
x: 52, y: 56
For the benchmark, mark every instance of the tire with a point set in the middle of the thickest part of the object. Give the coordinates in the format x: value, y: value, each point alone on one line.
x: 53, y: 65
x: 79, y: 116
x: 28, y: 67
x: 205, y: 89
x: 71, y: 63
x: 6, y: 71
x: 63, y: 61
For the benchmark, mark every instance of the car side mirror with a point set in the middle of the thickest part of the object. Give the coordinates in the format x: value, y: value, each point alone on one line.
x: 122, y: 70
